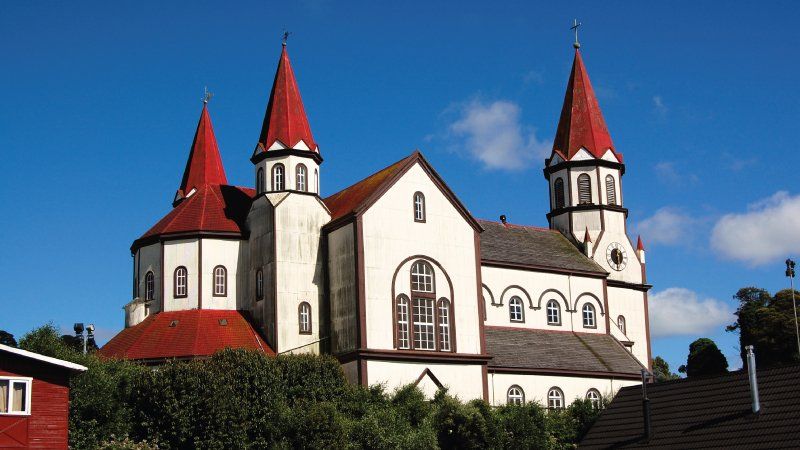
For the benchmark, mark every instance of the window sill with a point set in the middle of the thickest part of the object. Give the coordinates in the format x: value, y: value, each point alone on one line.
x: 15, y: 414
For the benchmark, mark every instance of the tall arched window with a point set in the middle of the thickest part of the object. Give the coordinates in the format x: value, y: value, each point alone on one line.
x: 515, y: 395
x: 584, y: 189
x: 423, y: 294
x: 259, y: 284
x: 622, y: 325
x: 316, y: 181
x: 300, y: 176
x: 181, y: 281
x: 588, y: 316
x: 304, y: 317
x: 220, y: 281
x: 593, y: 395
x: 444, y: 325
x: 260, y: 186
x: 278, y: 174
x: 402, y: 323
x: 611, y: 190
x: 419, y: 207
x: 555, y: 398
x: 558, y: 188
x: 515, y: 310
x: 553, y: 313
x: 149, y: 286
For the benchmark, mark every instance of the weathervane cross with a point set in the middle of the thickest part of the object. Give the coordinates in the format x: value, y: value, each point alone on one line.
x: 206, y: 95
x: 286, y: 36
x: 575, y: 25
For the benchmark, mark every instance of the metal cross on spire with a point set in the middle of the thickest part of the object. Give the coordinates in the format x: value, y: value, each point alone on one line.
x: 206, y: 95
x: 575, y: 25
x: 286, y: 36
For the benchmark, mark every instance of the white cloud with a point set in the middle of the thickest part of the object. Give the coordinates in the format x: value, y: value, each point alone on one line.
x: 678, y: 311
x: 492, y: 133
x: 769, y: 231
x: 533, y: 76
x: 669, y: 174
x: 668, y: 226
x: 659, y: 106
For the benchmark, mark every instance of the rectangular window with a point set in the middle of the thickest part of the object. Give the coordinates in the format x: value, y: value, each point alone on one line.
x: 424, y: 335
x: 15, y: 396
x: 402, y: 324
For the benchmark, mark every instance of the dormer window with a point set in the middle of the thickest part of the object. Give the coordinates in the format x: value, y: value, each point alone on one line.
x: 419, y: 207
x: 300, y: 178
x: 611, y: 190
x: 584, y: 189
x: 278, y: 181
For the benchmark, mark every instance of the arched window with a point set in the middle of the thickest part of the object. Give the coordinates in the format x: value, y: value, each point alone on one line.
x: 558, y: 187
x: 611, y: 190
x: 588, y: 316
x: 316, y: 181
x: 555, y: 398
x: 260, y: 186
x: 584, y: 189
x: 515, y: 395
x: 304, y: 317
x: 593, y: 395
x: 300, y: 178
x: 553, y: 313
x: 422, y: 303
x: 444, y: 324
x: 259, y: 284
x: 220, y: 281
x: 515, y: 311
x: 402, y: 323
x: 419, y: 207
x: 621, y: 324
x: 277, y: 177
x: 181, y: 279
x: 149, y: 286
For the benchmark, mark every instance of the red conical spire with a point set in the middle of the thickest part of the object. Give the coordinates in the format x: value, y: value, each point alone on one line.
x: 204, y: 166
x: 639, y: 245
x: 581, y: 124
x: 285, y: 120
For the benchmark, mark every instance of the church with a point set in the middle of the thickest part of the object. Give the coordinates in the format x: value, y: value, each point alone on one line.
x: 392, y: 275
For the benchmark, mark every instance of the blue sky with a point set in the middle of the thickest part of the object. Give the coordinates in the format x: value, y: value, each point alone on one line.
x: 100, y: 100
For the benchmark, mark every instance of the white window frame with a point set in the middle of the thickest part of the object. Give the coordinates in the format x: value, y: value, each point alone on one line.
x: 149, y: 286
x: 622, y: 324
x: 556, y: 309
x: 220, y: 281
x: 555, y: 398
x: 593, y: 395
x: 181, y: 282
x: 424, y: 317
x: 419, y: 207
x: 515, y: 398
x: 444, y: 324
x: 589, y: 316
x: 305, y: 318
x: 422, y: 277
x: 278, y: 175
x: 403, y: 339
x: 515, y: 310
x: 28, y: 385
x: 300, y: 175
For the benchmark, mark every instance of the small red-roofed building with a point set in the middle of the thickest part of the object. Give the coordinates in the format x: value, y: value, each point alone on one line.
x: 34, y: 399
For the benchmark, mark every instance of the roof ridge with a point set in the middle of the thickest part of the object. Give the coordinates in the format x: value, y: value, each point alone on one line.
x: 535, y: 227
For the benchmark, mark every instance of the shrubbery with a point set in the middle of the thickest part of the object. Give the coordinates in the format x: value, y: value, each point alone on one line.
x: 244, y: 399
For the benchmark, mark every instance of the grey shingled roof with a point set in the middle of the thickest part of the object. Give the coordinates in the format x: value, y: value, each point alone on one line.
x: 534, y: 246
x: 713, y: 412
x: 549, y: 350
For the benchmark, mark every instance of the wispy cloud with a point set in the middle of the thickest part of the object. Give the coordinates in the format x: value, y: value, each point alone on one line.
x: 668, y: 226
x: 491, y: 132
x: 679, y: 311
x: 533, y: 77
x: 767, y: 232
x: 658, y: 106
x: 668, y: 173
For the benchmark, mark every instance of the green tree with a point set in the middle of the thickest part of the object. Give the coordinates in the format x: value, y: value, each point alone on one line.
x: 704, y: 359
x: 661, y: 370
x: 7, y: 338
x: 767, y: 323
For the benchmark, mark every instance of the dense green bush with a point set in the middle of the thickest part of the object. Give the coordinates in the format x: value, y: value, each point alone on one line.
x: 244, y: 399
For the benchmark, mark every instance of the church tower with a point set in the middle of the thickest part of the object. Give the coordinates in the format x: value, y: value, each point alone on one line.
x: 286, y: 157
x: 584, y: 172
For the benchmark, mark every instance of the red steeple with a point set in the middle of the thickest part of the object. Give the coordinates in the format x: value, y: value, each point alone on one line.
x: 204, y: 166
x: 285, y: 119
x: 639, y: 245
x: 581, y: 124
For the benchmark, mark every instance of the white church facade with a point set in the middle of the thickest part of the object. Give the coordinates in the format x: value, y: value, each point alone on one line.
x: 393, y: 276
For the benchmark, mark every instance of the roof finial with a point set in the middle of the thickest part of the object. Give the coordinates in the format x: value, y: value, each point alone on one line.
x: 286, y: 36
x: 575, y: 25
x: 206, y: 95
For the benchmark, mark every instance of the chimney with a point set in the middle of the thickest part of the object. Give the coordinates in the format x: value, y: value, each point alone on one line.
x: 751, y: 371
x: 646, y: 406
x: 503, y: 219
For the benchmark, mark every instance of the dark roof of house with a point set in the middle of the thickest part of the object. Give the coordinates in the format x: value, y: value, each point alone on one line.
x: 532, y: 246
x: 559, y: 351
x: 713, y: 412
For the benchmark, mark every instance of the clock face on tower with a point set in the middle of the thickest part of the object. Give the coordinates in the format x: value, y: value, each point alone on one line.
x: 616, y: 256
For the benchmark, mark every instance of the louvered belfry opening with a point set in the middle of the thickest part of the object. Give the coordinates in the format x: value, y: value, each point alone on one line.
x: 611, y: 190
x: 558, y: 186
x: 584, y: 189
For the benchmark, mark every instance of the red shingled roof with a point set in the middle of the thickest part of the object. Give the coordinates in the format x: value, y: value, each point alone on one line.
x: 185, y: 334
x: 285, y: 119
x: 581, y: 124
x: 212, y: 208
x: 204, y: 165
